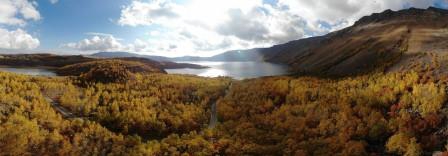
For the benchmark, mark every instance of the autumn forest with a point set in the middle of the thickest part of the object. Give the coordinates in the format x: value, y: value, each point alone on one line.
x: 163, y: 114
x: 376, y: 88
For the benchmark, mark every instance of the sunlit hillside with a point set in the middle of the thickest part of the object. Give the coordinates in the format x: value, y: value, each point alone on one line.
x: 223, y: 78
x: 161, y: 114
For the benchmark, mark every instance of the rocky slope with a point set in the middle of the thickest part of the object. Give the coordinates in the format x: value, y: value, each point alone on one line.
x: 387, y: 41
x: 410, y: 39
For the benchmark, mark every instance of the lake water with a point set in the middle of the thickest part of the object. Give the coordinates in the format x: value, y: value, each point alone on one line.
x: 29, y: 71
x: 236, y: 70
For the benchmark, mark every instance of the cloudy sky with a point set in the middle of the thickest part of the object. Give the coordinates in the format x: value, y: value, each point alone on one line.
x: 176, y: 27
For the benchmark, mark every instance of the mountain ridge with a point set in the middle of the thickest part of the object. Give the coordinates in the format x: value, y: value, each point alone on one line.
x: 381, y: 42
x: 233, y: 55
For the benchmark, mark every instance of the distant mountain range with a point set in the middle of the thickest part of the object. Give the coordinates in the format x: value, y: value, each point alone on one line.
x: 236, y: 55
x: 388, y: 41
x: 58, y: 61
x: 278, y: 53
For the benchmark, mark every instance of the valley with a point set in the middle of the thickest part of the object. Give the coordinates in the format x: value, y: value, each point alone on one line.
x: 386, y: 41
x: 379, y: 87
x: 164, y: 114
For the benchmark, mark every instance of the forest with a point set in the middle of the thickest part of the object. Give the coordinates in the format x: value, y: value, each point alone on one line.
x: 378, y: 114
x: 58, y: 62
x: 159, y: 115
x: 162, y: 114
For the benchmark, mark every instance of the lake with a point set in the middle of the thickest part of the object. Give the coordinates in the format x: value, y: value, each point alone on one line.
x: 236, y: 70
x: 29, y: 71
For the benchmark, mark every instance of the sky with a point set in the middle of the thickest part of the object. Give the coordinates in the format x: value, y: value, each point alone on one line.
x: 176, y: 27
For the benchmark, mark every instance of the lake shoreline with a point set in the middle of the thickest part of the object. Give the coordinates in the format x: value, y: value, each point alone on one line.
x: 236, y: 70
x: 30, y: 70
x: 30, y: 67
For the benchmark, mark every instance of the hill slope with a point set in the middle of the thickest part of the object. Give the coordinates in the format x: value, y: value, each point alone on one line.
x: 132, y: 66
x: 402, y: 40
x: 48, y: 60
x: 387, y: 41
x: 229, y: 56
x: 56, y: 61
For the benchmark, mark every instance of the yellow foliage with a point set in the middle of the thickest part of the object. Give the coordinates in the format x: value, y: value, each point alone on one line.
x: 161, y: 114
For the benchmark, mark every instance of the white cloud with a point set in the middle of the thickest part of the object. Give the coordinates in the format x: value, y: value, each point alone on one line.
x: 96, y: 43
x: 98, y: 34
x: 345, y: 12
x: 213, y: 26
x: 197, y: 27
x: 108, y: 42
x: 141, y: 13
x: 16, y: 12
x: 17, y: 39
x: 53, y: 1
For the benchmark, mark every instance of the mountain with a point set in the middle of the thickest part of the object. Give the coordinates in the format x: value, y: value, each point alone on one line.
x: 163, y: 64
x: 239, y: 55
x: 47, y: 60
x: 234, y: 55
x: 58, y: 61
x: 113, y: 66
x: 128, y: 54
x: 388, y: 41
x: 382, y: 42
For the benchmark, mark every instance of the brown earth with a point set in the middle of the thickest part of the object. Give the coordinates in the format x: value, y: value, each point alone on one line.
x: 389, y: 41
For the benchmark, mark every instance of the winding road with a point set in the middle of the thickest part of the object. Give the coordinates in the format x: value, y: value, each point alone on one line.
x: 69, y: 115
x: 214, y: 111
x: 61, y: 110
